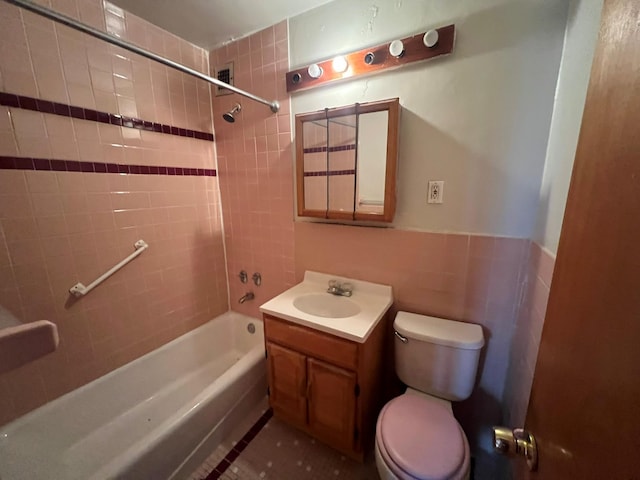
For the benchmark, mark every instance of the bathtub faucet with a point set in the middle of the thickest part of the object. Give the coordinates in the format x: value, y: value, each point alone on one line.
x: 246, y: 296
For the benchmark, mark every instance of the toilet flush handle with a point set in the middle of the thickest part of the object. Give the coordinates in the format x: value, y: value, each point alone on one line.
x: 402, y: 338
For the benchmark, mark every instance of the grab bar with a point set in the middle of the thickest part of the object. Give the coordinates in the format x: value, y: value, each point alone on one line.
x: 79, y: 290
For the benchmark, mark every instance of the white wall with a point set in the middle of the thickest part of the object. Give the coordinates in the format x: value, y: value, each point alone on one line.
x: 580, y: 40
x: 478, y: 119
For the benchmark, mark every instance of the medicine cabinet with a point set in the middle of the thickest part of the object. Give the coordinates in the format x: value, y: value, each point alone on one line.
x: 346, y: 161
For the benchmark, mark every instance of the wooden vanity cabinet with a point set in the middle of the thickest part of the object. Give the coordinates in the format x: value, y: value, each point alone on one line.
x: 287, y: 382
x: 325, y: 385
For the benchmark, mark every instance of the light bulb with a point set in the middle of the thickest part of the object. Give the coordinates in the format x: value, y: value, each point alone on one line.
x: 339, y: 64
x: 430, y: 38
x: 314, y: 70
x: 396, y: 48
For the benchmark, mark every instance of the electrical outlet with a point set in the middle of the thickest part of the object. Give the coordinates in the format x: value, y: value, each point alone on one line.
x: 436, y: 191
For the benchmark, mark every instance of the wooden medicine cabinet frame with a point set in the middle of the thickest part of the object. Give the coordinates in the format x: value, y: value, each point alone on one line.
x: 392, y: 106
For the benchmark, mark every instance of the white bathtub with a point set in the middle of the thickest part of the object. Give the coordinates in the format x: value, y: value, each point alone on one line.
x: 154, y: 418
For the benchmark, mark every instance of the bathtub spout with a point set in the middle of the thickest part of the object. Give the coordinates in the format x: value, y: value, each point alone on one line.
x: 246, y: 296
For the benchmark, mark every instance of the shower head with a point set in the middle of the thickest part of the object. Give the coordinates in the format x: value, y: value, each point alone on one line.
x: 229, y: 116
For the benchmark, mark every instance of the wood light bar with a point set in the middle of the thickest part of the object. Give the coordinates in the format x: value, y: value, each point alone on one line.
x: 373, y: 59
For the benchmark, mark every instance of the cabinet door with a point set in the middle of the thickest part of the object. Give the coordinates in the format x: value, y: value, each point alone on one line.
x: 332, y: 403
x: 287, y: 382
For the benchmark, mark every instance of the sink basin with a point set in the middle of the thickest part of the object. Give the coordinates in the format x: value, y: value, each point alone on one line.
x: 326, y: 305
x: 352, y: 318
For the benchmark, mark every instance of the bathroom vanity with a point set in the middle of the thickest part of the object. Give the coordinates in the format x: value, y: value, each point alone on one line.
x: 324, y: 368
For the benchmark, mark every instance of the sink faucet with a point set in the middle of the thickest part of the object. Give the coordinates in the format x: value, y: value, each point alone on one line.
x: 337, y: 288
x: 246, y: 296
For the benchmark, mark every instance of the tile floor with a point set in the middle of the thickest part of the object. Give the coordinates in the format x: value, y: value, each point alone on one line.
x: 278, y: 452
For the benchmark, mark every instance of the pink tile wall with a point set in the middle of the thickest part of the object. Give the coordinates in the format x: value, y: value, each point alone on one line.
x: 315, y: 192
x: 58, y: 228
x: 315, y: 135
x: 255, y: 168
x: 340, y: 134
x: 49, y: 61
x: 315, y: 188
x: 341, y: 187
x: 528, y: 330
x: 462, y: 277
x: 315, y: 161
x: 342, y: 190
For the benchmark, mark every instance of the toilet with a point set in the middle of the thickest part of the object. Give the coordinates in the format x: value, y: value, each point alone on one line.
x: 417, y: 436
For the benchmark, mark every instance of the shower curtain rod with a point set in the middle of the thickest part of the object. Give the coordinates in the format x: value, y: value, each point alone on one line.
x: 73, y: 23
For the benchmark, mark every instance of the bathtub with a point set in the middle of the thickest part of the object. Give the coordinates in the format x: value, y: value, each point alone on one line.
x: 157, y: 417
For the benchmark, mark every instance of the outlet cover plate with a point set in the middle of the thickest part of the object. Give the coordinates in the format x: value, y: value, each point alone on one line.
x: 435, y: 191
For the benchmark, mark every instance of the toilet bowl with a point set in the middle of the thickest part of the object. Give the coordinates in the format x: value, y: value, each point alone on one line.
x: 417, y: 436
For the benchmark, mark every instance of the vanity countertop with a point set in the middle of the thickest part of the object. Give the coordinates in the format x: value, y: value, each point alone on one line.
x: 372, y: 301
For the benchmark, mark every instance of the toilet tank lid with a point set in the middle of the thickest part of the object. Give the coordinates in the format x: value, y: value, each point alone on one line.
x: 450, y: 333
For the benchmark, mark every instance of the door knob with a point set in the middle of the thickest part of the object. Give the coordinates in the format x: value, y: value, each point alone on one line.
x: 514, y: 442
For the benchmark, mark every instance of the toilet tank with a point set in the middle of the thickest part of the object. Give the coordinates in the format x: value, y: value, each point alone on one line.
x: 439, y: 357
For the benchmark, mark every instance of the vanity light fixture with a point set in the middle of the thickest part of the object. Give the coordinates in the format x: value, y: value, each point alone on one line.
x: 430, y: 38
x: 396, y: 48
x: 339, y: 64
x: 419, y: 47
x: 315, y: 70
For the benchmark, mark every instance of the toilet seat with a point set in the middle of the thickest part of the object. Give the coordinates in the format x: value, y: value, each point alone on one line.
x: 419, y: 438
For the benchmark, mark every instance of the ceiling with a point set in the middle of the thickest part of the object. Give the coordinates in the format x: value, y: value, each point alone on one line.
x: 209, y: 23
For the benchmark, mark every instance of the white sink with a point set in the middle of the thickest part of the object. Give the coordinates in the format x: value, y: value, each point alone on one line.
x: 309, y: 304
x: 326, y: 305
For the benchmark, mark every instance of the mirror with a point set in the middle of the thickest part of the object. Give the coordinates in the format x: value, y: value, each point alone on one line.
x: 346, y: 161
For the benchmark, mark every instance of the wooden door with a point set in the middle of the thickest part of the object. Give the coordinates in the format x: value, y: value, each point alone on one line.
x: 287, y: 383
x: 585, y: 401
x: 331, y: 397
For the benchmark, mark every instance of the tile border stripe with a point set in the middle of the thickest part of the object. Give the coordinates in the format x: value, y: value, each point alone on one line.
x: 329, y: 173
x: 45, y: 106
x: 244, y: 442
x: 338, y: 148
x: 53, y: 165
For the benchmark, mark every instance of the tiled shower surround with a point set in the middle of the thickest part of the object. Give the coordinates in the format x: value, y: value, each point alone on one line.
x: 255, y: 165
x: 70, y: 220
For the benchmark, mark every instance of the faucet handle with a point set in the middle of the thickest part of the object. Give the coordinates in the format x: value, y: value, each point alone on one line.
x: 333, y: 283
x: 347, y: 287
